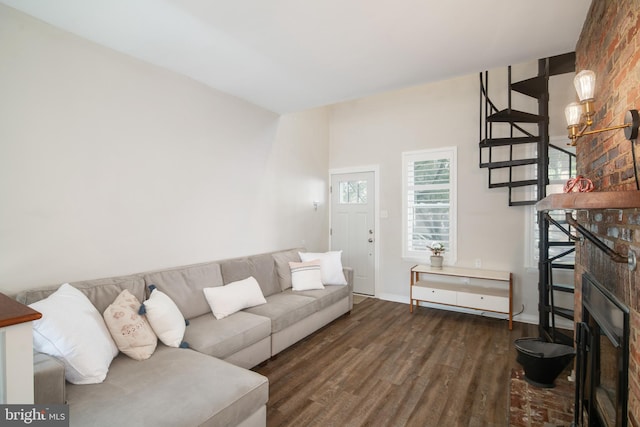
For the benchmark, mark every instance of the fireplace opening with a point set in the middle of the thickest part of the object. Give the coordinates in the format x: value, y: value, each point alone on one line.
x: 608, y: 381
x: 603, y: 358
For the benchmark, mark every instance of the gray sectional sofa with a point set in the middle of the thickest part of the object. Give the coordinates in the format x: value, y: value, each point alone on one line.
x: 209, y: 383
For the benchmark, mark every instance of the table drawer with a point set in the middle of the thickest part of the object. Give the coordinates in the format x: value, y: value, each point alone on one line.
x: 440, y: 296
x: 484, y: 302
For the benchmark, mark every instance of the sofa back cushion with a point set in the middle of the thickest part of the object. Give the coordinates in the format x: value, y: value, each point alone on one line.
x: 261, y: 267
x: 184, y: 286
x: 282, y: 259
x: 101, y: 292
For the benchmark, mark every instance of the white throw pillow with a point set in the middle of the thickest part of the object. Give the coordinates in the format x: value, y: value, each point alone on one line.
x: 235, y: 296
x: 165, y: 318
x: 131, y: 332
x: 330, y: 266
x: 72, y: 330
x: 306, y: 275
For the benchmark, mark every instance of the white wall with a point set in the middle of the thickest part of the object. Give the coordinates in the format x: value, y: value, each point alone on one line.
x: 376, y: 130
x: 111, y: 166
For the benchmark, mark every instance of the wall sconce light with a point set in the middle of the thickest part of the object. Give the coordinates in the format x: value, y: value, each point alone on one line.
x: 579, y: 115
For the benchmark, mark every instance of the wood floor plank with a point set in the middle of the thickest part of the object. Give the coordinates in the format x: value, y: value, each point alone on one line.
x: 430, y: 407
x: 383, y: 366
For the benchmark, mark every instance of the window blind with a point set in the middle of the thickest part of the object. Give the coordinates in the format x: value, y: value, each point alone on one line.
x: 429, y: 194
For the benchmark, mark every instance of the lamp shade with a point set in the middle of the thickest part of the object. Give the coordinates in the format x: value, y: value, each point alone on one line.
x: 573, y: 112
x: 585, y: 83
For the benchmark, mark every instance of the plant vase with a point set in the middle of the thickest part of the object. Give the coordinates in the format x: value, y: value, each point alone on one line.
x: 436, y: 262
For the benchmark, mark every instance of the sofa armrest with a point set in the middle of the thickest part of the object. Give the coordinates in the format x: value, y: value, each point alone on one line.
x: 48, y: 380
x: 348, y: 274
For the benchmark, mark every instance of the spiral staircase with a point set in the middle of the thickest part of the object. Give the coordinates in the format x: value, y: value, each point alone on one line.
x: 515, y: 149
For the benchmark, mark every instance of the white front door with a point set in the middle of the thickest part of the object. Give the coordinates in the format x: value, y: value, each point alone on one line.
x: 352, y: 226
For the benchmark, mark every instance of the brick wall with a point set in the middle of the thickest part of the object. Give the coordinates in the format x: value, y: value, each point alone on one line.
x: 610, y: 46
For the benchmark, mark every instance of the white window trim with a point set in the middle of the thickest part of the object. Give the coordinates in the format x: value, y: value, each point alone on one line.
x: 451, y: 255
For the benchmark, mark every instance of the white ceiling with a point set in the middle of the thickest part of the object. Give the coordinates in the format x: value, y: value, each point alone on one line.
x: 290, y: 55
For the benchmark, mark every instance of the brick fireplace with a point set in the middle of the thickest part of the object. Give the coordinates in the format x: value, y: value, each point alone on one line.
x: 610, y: 45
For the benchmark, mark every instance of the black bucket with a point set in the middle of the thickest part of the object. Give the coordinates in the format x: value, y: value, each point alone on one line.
x: 542, y: 361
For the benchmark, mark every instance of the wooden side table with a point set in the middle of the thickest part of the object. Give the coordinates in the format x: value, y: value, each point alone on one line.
x: 452, y: 286
x: 16, y: 351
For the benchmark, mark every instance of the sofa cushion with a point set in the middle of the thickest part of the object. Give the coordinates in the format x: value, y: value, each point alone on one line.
x: 261, y: 267
x: 224, y: 337
x: 101, y: 292
x: 130, y: 331
x: 201, y: 389
x: 282, y: 260
x: 285, y: 309
x: 184, y: 286
x: 327, y: 296
x: 48, y: 380
x: 72, y: 330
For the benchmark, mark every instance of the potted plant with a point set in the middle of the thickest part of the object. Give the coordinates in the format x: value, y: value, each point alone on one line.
x: 437, y: 249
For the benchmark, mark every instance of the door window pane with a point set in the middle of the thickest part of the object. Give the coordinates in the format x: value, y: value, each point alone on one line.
x: 353, y: 192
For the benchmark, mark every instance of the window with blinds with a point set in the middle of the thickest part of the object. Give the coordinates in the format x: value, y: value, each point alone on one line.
x: 429, y: 201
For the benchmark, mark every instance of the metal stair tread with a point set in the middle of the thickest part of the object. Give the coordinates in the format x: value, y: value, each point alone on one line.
x: 561, y: 221
x: 514, y: 116
x: 534, y: 87
x: 513, y: 184
x: 567, y: 243
x: 509, y: 163
x: 495, y: 142
x: 564, y: 312
x: 567, y: 313
x: 563, y: 287
x: 560, y: 266
x: 522, y: 203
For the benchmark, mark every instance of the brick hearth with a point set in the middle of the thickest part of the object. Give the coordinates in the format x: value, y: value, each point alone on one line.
x: 540, y: 407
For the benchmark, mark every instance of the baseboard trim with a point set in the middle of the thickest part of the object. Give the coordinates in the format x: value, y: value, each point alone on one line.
x: 522, y: 318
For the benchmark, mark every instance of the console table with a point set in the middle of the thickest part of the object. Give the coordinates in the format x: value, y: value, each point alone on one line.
x: 477, y: 289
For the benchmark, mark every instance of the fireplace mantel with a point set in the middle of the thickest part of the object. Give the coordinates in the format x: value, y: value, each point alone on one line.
x: 593, y: 200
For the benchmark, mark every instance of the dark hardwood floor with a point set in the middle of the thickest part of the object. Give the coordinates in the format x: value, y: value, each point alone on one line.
x: 382, y: 366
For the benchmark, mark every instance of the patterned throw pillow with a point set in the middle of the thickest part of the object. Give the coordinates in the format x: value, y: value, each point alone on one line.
x: 131, y: 332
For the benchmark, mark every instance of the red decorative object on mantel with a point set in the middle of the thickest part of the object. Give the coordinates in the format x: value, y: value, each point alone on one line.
x: 579, y: 184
